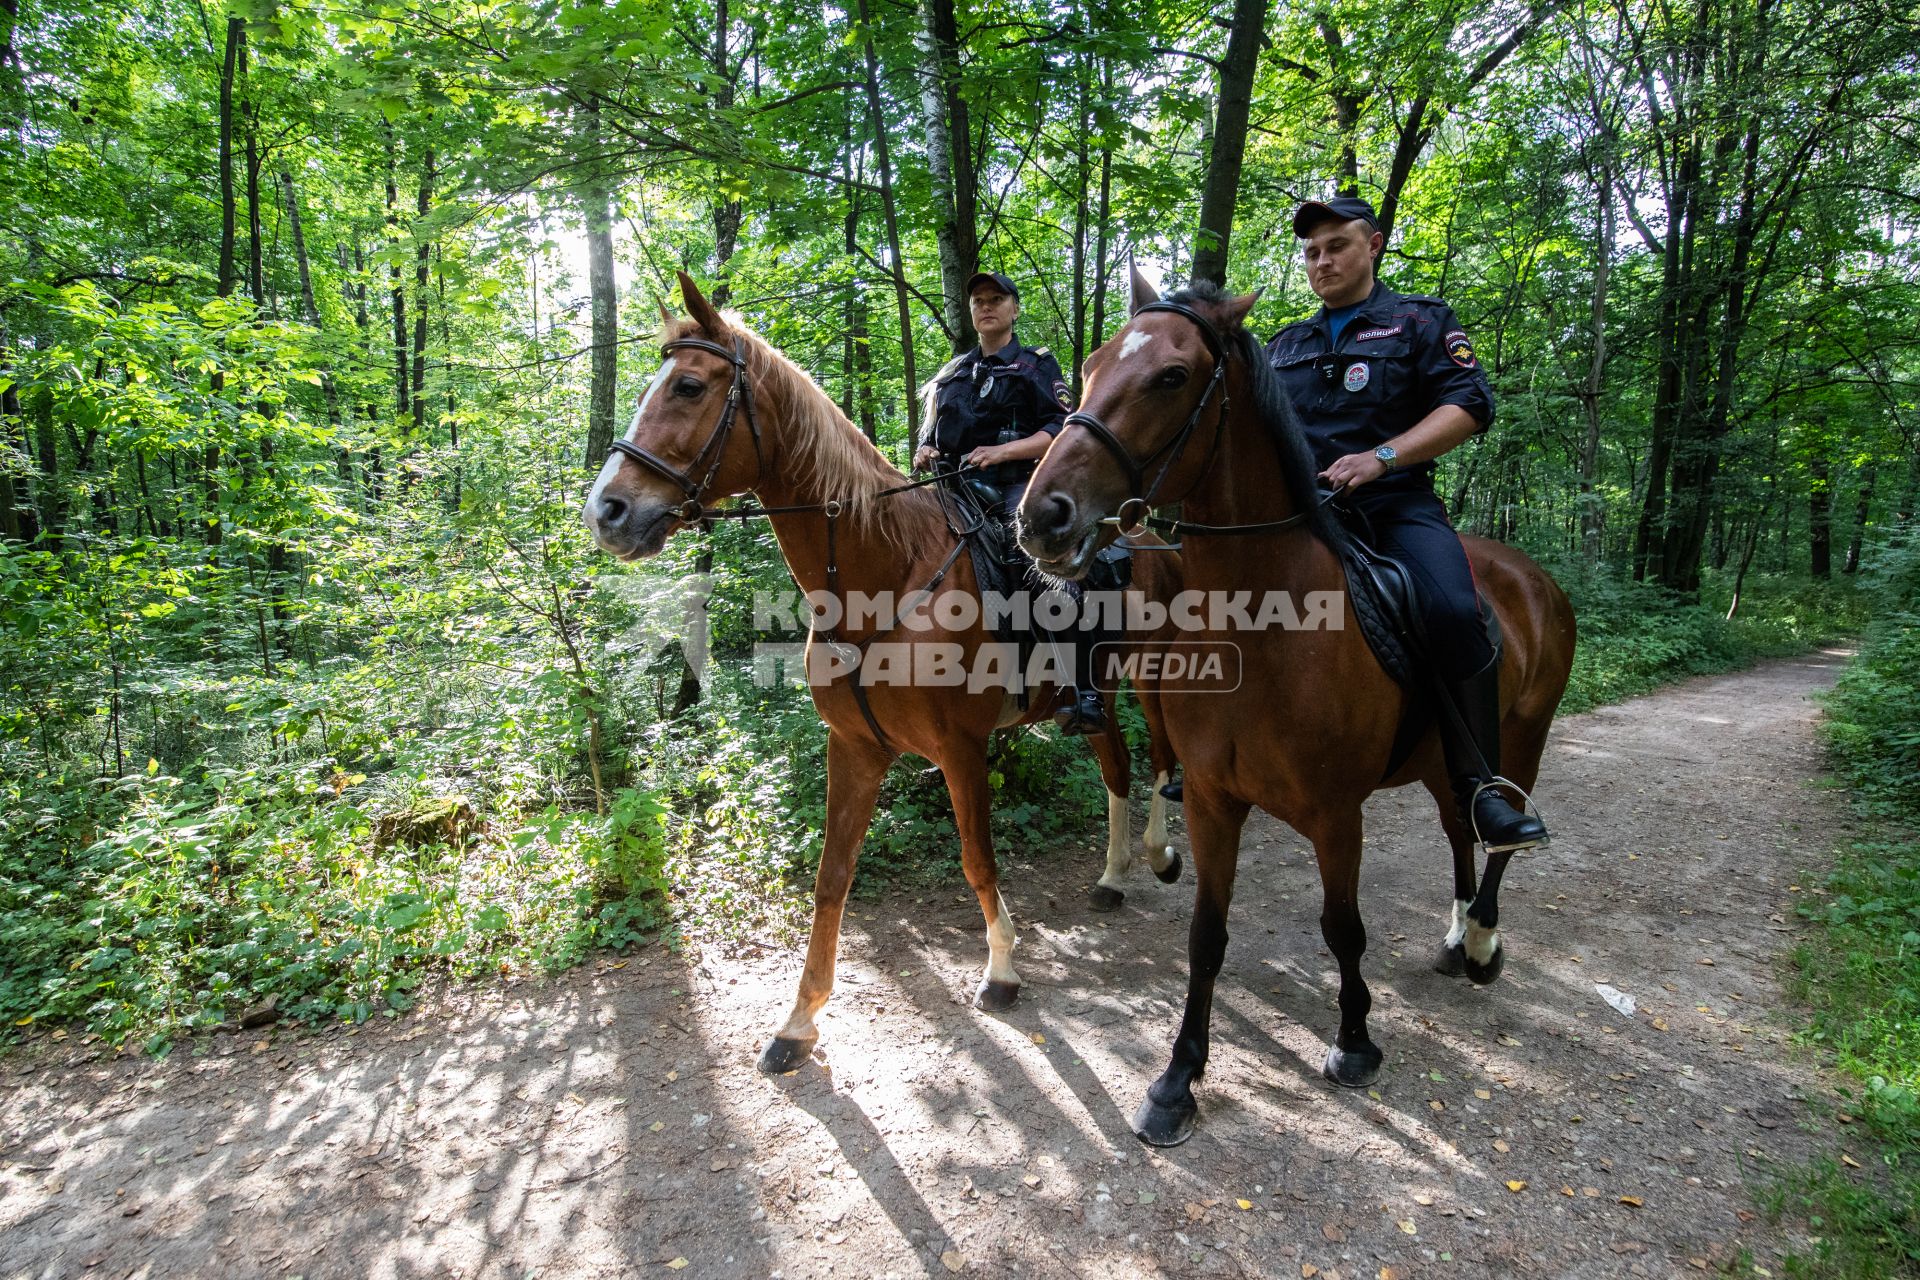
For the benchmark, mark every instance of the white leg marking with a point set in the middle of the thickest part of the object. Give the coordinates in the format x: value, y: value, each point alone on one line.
x: 1000, y: 940
x: 799, y: 1023
x: 1457, y: 931
x: 612, y: 464
x: 1119, y: 836
x: 1482, y: 942
x: 1158, y: 848
x: 1134, y: 342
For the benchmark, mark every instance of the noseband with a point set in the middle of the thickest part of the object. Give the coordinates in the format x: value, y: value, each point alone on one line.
x: 740, y: 393
x: 1133, y: 512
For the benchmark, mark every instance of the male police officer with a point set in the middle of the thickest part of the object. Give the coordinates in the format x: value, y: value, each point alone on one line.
x: 1385, y: 383
x: 998, y: 407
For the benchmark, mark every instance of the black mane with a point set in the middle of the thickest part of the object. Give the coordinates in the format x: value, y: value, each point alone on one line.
x: 1273, y: 409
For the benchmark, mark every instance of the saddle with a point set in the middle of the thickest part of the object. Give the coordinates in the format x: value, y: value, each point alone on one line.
x: 1386, y: 607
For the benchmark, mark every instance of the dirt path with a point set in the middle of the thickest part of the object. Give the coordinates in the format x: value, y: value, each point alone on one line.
x: 610, y: 1122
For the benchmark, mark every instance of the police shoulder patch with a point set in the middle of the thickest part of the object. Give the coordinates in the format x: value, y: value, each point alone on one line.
x: 1061, y: 394
x: 1460, y: 348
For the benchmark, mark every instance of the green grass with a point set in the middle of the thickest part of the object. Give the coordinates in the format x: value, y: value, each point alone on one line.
x: 1861, y: 971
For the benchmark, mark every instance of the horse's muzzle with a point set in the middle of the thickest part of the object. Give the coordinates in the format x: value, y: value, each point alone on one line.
x: 628, y: 530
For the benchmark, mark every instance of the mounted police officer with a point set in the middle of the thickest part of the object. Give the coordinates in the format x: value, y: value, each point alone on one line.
x: 1385, y: 383
x: 998, y: 407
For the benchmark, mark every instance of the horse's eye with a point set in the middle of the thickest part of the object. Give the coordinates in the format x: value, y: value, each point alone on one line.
x: 1171, y: 377
x: 688, y: 388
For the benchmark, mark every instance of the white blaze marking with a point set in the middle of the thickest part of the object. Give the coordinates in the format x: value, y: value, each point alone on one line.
x: 1135, y: 340
x: 1457, y: 932
x: 1159, y: 850
x: 612, y: 464
x: 1119, y: 836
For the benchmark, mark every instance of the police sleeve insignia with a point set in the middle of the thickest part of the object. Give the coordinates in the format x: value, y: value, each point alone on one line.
x: 1460, y: 349
x: 1064, y: 396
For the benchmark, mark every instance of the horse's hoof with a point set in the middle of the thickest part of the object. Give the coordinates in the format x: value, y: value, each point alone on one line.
x: 1174, y: 790
x: 996, y: 997
x: 1353, y: 1068
x: 1101, y: 898
x: 1481, y: 974
x: 783, y: 1055
x: 1163, y: 1126
x: 1170, y: 874
x: 1452, y: 959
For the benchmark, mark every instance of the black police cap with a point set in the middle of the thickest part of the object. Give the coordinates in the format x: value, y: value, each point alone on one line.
x: 1345, y: 208
x: 999, y: 281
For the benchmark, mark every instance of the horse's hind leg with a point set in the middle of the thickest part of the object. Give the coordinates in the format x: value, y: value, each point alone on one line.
x: 1166, y: 1117
x: 1485, y: 955
x: 1159, y: 850
x: 1453, y: 949
x: 1110, y: 748
x: 966, y: 772
x: 854, y: 771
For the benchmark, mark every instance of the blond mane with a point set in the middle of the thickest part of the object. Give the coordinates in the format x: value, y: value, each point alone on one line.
x: 831, y: 459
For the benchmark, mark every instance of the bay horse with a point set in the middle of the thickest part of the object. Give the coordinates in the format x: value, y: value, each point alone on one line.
x: 849, y: 525
x: 1315, y: 739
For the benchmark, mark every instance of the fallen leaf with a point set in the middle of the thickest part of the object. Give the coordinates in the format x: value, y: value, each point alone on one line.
x: 952, y: 1260
x: 1485, y: 1095
x: 1516, y: 1184
x: 1388, y: 1273
x: 1510, y: 1042
x: 1331, y: 1232
x: 1244, y: 1204
x: 1038, y: 1038
x: 1406, y: 1226
x: 1705, y: 960
x: 1849, y: 1161
x: 1195, y: 1211
x: 672, y: 1076
x: 1659, y: 1024
x: 1308, y: 1271
x: 676, y: 1264
x: 1567, y: 1192
x: 1032, y: 1180
x: 656, y: 1126
x: 1500, y: 1145
x: 1633, y: 1201
x: 1437, y: 1105
x: 1423, y: 1199
x: 1591, y: 1193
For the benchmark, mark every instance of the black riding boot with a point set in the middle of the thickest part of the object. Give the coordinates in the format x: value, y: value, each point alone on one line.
x: 1472, y: 742
x: 1081, y: 711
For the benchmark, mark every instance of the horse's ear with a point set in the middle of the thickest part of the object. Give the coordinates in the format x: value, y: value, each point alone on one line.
x: 666, y: 317
x: 1237, y: 309
x: 1143, y: 293
x: 701, y: 310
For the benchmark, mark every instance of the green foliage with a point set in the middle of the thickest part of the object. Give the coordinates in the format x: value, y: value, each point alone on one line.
x: 1861, y: 973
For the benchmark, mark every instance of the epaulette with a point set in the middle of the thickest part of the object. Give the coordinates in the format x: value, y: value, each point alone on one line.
x: 1041, y: 352
x: 1423, y: 297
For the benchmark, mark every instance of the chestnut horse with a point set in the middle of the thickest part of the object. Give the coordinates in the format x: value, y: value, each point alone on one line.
x: 850, y: 526
x: 1314, y: 739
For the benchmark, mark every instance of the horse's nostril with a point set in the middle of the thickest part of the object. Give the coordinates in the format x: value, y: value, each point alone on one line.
x: 1056, y: 514
x: 612, y: 511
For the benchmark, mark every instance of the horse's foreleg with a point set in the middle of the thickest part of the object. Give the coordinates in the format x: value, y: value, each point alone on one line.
x: 966, y: 773
x: 1166, y: 1118
x: 1484, y: 955
x: 1353, y: 1059
x: 1110, y: 748
x: 854, y: 771
x: 1453, y: 949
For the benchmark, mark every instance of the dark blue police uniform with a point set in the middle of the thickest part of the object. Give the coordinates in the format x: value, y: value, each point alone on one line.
x: 1398, y: 358
x: 996, y: 399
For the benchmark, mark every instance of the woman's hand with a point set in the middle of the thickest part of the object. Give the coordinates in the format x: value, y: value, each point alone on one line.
x: 924, y: 457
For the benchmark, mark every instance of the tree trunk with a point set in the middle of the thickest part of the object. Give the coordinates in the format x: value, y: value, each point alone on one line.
x: 1222, y: 189
x: 250, y: 128
x: 1100, y: 221
x: 422, y: 275
x: 402, y: 404
x: 605, y: 301
x: 887, y: 206
x: 726, y: 215
x: 236, y: 37
x: 1593, y: 510
x: 948, y: 157
x: 1861, y: 506
x: 310, y: 309
x: 1820, y: 515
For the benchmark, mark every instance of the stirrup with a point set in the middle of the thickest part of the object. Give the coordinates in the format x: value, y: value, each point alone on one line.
x: 1528, y: 807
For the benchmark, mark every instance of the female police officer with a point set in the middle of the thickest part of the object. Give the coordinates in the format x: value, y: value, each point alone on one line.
x: 1386, y: 383
x: 998, y: 407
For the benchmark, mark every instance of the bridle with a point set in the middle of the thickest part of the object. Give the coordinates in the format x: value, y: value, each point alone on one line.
x: 1140, y: 499
x: 740, y: 393
x: 1135, y: 513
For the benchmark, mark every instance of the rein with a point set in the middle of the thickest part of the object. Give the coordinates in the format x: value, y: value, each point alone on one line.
x: 1135, y: 513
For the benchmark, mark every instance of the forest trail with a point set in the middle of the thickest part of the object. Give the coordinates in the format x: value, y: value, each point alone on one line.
x: 609, y: 1121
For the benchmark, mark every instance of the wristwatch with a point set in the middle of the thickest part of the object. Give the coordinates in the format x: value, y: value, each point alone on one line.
x: 1388, y: 458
